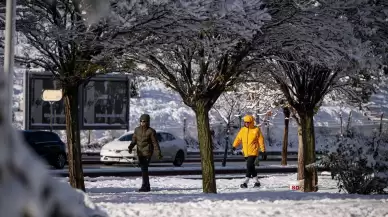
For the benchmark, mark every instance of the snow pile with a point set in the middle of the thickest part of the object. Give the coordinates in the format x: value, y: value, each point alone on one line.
x: 177, y: 197
x: 166, y: 107
x: 90, y: 209
x: 359, y: 162
x: 27, y: 188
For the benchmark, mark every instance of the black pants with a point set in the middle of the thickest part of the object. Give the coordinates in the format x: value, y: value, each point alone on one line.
x: 144, y: 162
x: 251, y: 170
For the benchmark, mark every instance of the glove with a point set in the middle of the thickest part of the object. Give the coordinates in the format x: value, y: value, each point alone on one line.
x: 130, y: 147
x: 233, y: 150
x: 264, y: 156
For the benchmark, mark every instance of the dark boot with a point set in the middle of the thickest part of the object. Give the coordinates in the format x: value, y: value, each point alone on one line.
x: 244, y: 185
x: 257, y: 185
x: 145, y: 187
x: 142, y: 188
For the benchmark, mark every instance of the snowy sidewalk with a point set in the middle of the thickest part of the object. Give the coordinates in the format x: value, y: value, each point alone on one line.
x: 173, y: 171
x: 177, y: 197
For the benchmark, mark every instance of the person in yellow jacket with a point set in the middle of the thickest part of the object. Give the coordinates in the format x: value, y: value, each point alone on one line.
x: 252, y: 140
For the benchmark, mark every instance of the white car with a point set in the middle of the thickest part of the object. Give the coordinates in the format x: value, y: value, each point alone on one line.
x: 173, y: 150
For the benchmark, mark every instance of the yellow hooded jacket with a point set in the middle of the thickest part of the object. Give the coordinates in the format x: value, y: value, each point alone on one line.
x: 251, y: 138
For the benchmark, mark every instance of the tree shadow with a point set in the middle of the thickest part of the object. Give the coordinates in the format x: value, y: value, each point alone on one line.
x: 162, y: 195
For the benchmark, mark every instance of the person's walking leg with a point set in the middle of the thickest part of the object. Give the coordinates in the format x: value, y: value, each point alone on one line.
x: 251, y: 170
x: 146, y: 175
x: 254, y: 172
x: 145, y: 186
x: 247, y: 175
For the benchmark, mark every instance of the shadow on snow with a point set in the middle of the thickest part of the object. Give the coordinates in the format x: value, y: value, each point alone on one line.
x: 163, y: 195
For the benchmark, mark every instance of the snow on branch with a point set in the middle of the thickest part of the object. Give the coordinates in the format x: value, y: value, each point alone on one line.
x: 369, y: 20
x: 206, y: 49
x: 230, y: 105
x: 64, y: 33
x: 58, y: 37
x: 305, y: 83
x: 314, y: 33
x: 262, y: 97
x: 248, y: 97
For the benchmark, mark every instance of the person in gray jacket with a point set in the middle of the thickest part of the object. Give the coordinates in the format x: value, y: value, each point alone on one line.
x: 147, y: 144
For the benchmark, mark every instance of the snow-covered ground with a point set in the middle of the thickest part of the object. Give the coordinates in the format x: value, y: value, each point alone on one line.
x: 175, y: 196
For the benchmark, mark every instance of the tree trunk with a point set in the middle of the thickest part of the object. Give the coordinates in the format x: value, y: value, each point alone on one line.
x: 89, y: 136
x: 300, y: 154
x: 287, y: 113
x: 76, y: 176
x: 205, y: 147
x: 308, y: 136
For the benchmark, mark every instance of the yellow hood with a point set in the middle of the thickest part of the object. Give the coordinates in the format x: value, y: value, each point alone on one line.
x: 250, y: 120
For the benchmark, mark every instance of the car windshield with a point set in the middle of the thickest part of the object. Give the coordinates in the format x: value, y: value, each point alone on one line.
x: 127, y: 137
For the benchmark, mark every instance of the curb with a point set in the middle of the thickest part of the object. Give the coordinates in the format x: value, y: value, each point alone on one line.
x: 94, y: 174
x: 195, y: 160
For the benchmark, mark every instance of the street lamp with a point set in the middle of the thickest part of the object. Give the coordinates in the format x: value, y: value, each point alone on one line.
x: 184, y: 127
x: 226, y: 145
x: 129, y: 102
x: 51, y: 96
x: 9, y: 49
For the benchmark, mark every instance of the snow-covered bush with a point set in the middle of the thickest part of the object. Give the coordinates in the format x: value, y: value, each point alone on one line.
x: 323, y: 139
x: 359, y: 162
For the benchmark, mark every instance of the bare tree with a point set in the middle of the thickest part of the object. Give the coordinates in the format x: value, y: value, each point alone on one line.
x: 287, y: 115
x: 230, y: 104
x: 26, y: 186
x: 75, y: 48
x: 65, y: 46
x: 305, y: 85
x: 204, y: 59
x: 310, y: 54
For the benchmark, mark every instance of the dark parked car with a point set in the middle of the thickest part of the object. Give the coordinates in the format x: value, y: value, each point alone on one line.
x: 47, y: 145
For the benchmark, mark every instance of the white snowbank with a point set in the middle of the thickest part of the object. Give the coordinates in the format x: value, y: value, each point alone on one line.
x: 177, y: 197
x: 28, y: 189
x: 90, y: 209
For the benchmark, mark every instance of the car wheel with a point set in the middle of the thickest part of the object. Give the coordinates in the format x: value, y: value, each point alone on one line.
x: 60, y: 161
x: 179, y: 158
